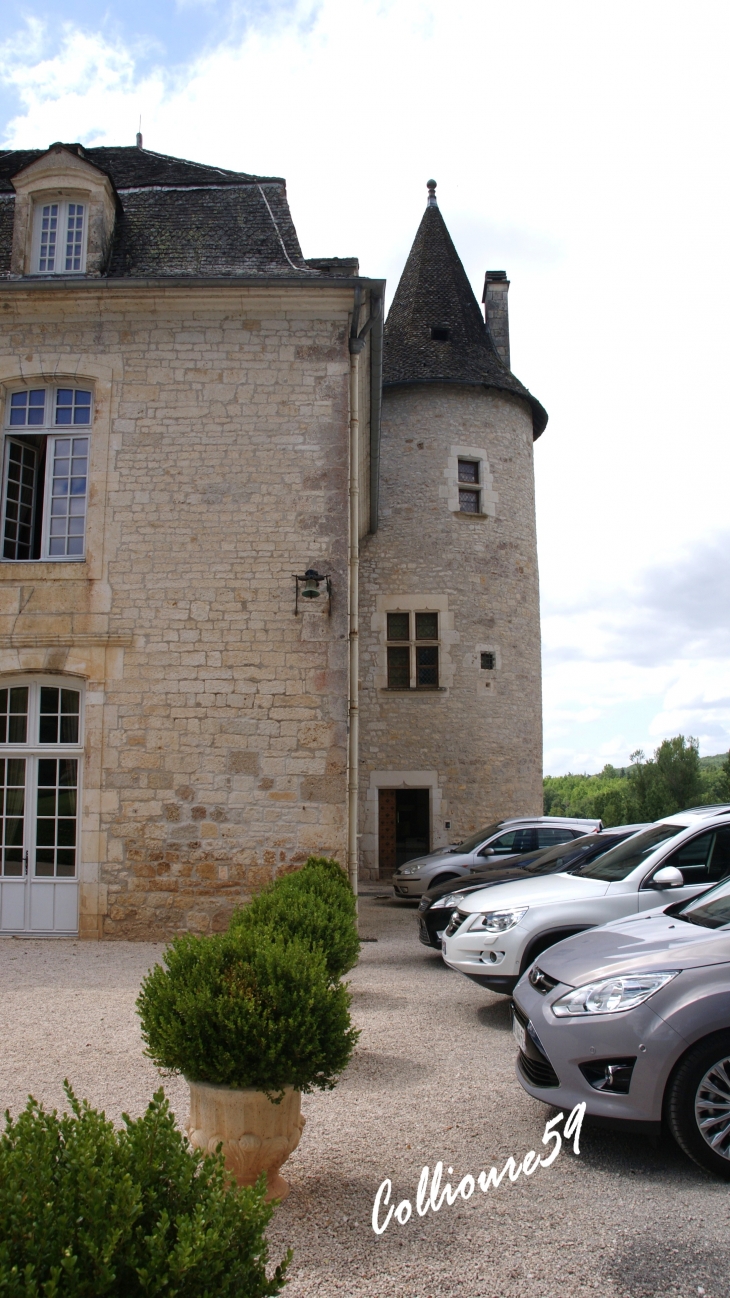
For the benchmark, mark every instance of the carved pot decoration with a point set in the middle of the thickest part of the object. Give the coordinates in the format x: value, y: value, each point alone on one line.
x: 256, y: 1135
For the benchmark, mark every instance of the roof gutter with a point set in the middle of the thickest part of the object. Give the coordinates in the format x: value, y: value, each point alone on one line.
x: 57, y: 283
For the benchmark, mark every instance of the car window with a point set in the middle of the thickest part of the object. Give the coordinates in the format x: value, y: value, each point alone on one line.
x: 720, y: 860
x: 475, y: 840
x: 704, y: 859
x: 567, y: 856
x: 515, y: 842
x: 546, y: 837
x: 711, y: 910
x: 622, y: 859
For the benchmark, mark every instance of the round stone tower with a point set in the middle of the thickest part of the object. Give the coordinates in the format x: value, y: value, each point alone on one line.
x: 451, y: 724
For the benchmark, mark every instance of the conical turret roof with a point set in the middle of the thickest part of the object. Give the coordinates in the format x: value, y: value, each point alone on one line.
x: 435, y: 332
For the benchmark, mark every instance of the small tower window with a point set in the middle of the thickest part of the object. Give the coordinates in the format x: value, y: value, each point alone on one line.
x: 469, y: 493
x: 413, y: 651
x: 440, y: 333
x: 488, y: 662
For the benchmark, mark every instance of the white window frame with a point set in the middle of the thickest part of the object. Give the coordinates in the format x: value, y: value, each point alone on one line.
x: 52, y: 432
x: 64, y: 203
x: 33, y: 751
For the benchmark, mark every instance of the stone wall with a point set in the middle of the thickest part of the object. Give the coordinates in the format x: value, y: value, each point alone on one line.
x: 219, y: 469
x: 476, y: 743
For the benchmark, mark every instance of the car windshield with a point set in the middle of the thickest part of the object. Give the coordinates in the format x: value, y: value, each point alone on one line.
x: 711, y: 910
x: 622, y: 859
x: 568, y: 856
x: 476, y: 840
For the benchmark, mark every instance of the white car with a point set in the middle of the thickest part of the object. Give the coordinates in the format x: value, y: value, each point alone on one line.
x: 496, y: 933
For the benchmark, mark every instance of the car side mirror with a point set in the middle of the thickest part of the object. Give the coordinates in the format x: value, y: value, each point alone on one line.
x: 668, y: 877
x: 487, y: 851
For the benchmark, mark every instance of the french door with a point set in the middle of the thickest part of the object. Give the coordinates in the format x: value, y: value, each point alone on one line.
x: 39, y: 800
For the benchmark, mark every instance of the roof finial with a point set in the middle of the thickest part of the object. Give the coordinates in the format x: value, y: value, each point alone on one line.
x: 139, y: 133
x: 431, y: 193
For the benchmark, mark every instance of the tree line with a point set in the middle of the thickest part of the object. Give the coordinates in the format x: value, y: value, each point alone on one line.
x: 675, y: 778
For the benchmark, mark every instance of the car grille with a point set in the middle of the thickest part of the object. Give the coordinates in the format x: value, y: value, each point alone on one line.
x: 539, y: 1072
x: 456, y: 921
x: 542, y: 982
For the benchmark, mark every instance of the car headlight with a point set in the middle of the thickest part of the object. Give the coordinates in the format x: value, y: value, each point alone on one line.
x: 453, y: 899
x: 498, y: 921
x: 611, y: 995
x: 413, y: 870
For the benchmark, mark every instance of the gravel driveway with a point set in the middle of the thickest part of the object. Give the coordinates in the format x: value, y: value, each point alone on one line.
x: 433, y: 1078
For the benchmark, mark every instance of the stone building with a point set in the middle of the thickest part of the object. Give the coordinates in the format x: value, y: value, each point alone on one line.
x: 191, y: 465
x: 449, y: 611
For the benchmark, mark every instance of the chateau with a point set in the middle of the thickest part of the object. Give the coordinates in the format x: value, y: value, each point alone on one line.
x: 268, y: 569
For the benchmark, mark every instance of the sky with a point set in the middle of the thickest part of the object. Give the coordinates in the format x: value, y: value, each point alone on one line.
x: 580, y: 147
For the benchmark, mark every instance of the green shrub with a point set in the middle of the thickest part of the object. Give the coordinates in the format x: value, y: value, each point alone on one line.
x: 327, y: 866
x: 316, y: 905
x: 86, y: 1211
x: 247, y: 1009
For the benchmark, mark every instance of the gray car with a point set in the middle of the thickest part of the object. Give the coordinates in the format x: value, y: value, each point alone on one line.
x: 497, y: 843
x: 633, y: 1019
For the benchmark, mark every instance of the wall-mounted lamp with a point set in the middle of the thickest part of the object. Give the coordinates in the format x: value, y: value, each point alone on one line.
x: 311, y: 582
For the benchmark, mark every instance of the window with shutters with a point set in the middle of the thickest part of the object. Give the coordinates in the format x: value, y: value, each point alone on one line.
x: 413, y: 651
x: 46, y: 473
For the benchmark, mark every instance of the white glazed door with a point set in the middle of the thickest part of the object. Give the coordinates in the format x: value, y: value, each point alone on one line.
x: 40, y: 800
x: 14, y: 885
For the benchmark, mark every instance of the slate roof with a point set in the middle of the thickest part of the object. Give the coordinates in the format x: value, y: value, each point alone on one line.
x: 434, y: 293
x: 179, y: 218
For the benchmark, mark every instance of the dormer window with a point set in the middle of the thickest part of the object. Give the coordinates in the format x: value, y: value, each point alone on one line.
x: 59, y: 238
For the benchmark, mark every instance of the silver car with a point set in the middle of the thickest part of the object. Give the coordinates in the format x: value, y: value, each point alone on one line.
x: 498, y: 842
x: 633, y: 1019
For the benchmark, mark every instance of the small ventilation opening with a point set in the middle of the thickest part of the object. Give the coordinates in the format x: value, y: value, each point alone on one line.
x: 440, y: 333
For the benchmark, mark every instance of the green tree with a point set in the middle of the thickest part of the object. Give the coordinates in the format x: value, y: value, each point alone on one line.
x: 678, y: 765
x: 676, y: 777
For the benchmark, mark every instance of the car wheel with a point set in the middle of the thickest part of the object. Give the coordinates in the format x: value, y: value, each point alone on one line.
x: 443, y: 878
x: 698, y: 1104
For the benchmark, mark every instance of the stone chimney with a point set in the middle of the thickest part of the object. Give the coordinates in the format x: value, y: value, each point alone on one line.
x: 496, y: 312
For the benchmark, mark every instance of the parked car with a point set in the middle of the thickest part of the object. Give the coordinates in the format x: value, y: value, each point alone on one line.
x: 633, y: 1020
x: 496, y: 933
x: 505, y: 839
x: 436, y: 905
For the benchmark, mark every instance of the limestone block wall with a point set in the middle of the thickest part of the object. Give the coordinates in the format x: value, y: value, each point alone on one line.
x: 219, y: 469
x: 476, y: 743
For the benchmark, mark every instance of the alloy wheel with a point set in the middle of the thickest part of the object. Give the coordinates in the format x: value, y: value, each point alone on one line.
x: 712, y: 1107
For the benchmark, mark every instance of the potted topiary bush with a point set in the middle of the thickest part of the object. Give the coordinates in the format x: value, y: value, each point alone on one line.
x: 252, y: 1019
x: 315, y: 904
x: 88, y: 1210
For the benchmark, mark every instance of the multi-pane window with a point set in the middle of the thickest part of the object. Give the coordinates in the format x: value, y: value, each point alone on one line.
x: 60, y: 238
x: 469, y: 489
x: 413, y: 651
x: 39, y: 779
x: 45, y: 473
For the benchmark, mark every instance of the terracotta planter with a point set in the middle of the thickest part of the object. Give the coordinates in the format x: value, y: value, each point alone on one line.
x: 256, y: 1135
